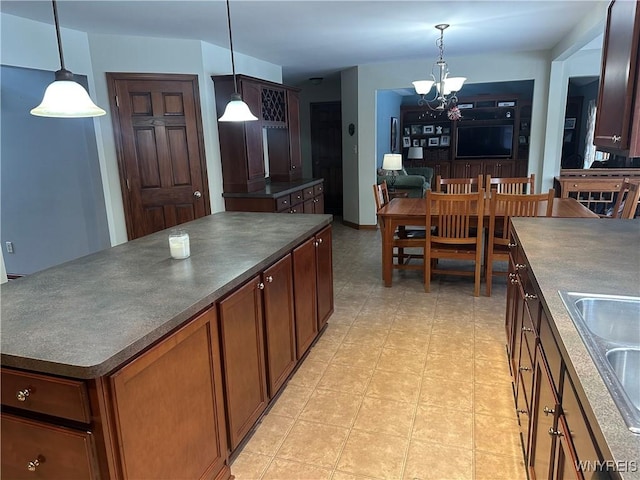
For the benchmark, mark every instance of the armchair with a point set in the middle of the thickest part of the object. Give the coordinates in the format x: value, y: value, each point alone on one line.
x: 415, y: 180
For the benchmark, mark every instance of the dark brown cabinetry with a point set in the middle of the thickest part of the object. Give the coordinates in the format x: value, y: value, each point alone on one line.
x: 242, y: 144
x: 242, y: 340
x: 292, y: 197
x: 324, y: 273
x: 618, y: 115
x: 555, y: 431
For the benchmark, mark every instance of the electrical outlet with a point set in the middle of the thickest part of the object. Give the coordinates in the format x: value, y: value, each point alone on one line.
x: 9, y: 247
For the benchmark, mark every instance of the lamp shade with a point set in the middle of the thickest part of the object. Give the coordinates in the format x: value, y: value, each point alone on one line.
x: 422, y: 86
x: 237, y: 111
x: 453, y: 84
x: 66, y: 99
x: 392, y: 161
x: 415, y: 152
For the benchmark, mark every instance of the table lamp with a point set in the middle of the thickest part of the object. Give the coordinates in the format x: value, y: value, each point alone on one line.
x: 393, y: 163
x: 415, y: 153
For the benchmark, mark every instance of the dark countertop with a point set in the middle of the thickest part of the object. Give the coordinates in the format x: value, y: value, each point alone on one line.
x: 86, y: 317
x: 276, y: 189
x: 586, y: 256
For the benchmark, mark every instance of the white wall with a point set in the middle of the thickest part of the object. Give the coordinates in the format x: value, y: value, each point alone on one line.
x: 26, y: 43
x: 351, y: 171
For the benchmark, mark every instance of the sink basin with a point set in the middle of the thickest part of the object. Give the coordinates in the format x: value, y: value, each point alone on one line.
x: 613, y: 319
x: 610, y: 328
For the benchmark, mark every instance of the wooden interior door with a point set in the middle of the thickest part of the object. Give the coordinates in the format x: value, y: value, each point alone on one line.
x: 326, y: 152
x: 158, y: 130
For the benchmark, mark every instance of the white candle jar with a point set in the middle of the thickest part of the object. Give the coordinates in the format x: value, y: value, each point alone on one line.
x: 179, y: 244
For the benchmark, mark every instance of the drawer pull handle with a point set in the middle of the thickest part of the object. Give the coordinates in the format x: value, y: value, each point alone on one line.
x: 22, y: 395
x: 527, y: 329
x: 616, y: 138
x: 514, y: 281
x: 512, y: 245
x: 548, y: 411
x: 260, y: 286
x: 555, y: 433
x: 269, y: 279
x: 530, y: 296
x: 524, y: 369
x: 520, y: 266
x: 33, y: 464
x: 522, y: 411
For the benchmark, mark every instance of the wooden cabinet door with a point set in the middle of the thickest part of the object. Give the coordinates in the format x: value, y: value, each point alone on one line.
x: 279, y: 323
x: 543, y: 422
x: 324, y: 258
x: 470, y: 169
x: 441, y: 168
x: 304, y: 285
x: 615, y: 116
x: 242, y: 340
x: 253, y: 131
x: 318, y: 205
x: 499, y: 168
x: 48, y: 450
x: 168, y: 407
x: 565, y: 459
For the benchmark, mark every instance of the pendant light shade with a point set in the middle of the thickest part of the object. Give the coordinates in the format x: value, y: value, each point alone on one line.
x: 236, y: 110
x: 65, y: 98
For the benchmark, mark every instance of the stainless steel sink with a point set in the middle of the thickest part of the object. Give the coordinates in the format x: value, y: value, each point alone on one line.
x: 610, y: 328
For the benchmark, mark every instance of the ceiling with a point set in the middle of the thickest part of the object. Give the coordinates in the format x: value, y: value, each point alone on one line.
x: 320, y: 38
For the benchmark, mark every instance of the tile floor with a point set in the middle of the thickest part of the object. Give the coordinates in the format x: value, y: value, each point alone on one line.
x: 402, y: 385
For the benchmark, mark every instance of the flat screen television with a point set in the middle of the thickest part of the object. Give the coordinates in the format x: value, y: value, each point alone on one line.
x: 477, y: 141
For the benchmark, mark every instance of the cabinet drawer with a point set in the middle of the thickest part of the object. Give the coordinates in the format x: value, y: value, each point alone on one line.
x: 551, y: 351
x: 308, y: 193
x: 59, y: 397
x: 297, y: 197
x: 577, y: 424
x: 39, y: 450
x: 283, y: 203
x: 318, y: 189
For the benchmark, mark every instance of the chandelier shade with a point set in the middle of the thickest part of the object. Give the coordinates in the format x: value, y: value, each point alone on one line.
x: 236, y: 110
x: 446, y: 87
x: 65, y: 98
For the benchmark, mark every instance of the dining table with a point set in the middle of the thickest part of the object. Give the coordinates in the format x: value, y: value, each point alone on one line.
x: 411, y: 212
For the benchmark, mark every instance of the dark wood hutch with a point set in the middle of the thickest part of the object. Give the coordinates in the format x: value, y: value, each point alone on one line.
x: 247, y: 184
x: 438, y: 137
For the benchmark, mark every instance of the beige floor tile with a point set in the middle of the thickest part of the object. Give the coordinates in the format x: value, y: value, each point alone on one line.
x: 385, y: 416
x: 414, y: 340
x: 291, y: 401
x: 308, y: 374
x: 373, y: 454
x: 447, y: 393
x: 250, y: 466
x: 269, y: 435
x: 494, y: 399
x: 322, y: 351
x: 378, y: 320
x: 345, y: 379
x: 334, y: 332
x: 489, y: 466
x: 281, y: 469
x: 460, y: 346
x: 337, y: 475
x: 459, y: 369
x: 371, y: 337
x: 313, y: 444
x: 493, y: 371
x: 486, y: 440
x: 355, y: 355
x: 406, y: 361
x: 434, y: 461
x: 332, y: 408
x: 413, y: 323
x: 444, y: 425
x: 402, y: 387
x: 495, y: 350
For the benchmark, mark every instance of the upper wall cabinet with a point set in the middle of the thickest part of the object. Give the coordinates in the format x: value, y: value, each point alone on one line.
x: 272, y: 142
x: 618, y: 115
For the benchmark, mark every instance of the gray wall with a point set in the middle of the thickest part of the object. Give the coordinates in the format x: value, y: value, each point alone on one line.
x: 52, y: 205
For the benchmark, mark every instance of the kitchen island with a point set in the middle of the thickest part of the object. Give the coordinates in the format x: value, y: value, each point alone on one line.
x: 577, y: 255
x: 112, y: 364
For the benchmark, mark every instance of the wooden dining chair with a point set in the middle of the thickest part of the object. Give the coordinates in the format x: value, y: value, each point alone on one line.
x: 403, y: 238
x: 458, y: 234
x: 503, y: 207
x: 514, y: 185
x: 631, y: 201
x: 458, y: 185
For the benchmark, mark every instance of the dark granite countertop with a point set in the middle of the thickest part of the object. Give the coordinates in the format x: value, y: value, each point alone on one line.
x: 586, y: 256
x: 86, y: 317
x: 276, y: 189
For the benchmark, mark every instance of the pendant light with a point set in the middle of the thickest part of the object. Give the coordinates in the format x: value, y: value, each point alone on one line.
x: 236, y: 110
x: 65, y: 98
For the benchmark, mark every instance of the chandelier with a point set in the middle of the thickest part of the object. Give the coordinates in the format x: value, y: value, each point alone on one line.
x: 446, y: 86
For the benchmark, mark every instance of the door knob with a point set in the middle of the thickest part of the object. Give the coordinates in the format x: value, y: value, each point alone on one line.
x: 197, y: 194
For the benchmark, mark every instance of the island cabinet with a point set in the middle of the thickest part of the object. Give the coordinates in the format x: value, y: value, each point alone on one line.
x: 617, y: 127
x: 159, y: 416
x: 555, y: 432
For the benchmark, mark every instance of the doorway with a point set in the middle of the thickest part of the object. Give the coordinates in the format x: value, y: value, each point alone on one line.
x: 158, y: 133
x: 326, y: 152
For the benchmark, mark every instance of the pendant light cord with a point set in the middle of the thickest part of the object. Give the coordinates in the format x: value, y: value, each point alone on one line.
x: 55, y: 20
x: 233, y: 63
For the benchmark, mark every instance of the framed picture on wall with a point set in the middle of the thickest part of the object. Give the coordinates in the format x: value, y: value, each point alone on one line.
x: 393, y: 144
x: 407, y: 131
x: 434, y: 141
x: 569, y: 123
x: 444, y: 140
x: 416, y: 129
x: 416, y: 142
x: 428, y: 129
x: 423, y: 142
x: 406, y: 142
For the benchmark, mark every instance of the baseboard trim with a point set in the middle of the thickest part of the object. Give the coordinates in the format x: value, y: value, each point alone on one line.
x: 359, y: 227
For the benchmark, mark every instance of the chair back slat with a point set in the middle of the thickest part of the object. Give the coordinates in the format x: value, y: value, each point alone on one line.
x: 631, y: 201
x: 454, y: 214
x: 511, y: 185
x: 458, y: 185
x: 381, y: 194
